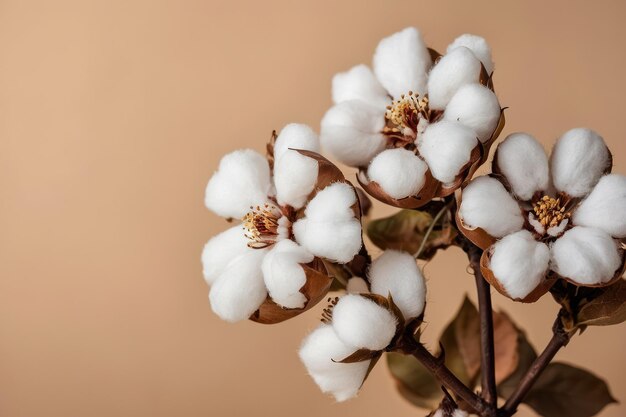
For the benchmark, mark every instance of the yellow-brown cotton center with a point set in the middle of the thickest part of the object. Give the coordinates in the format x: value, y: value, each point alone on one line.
x: 404, y: 114
x: 261, y: 226
x: 549, y: 211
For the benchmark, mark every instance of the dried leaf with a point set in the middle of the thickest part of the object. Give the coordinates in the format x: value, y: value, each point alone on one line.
x: 607, y: 308
x: 413, y: 381
x: 526, y: 356
x: 360, y: 356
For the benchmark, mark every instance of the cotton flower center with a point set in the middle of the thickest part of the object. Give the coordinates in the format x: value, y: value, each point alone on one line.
x: 263, y: 226
x: 549, y: 212
x: 406, y: 117
x: 327, y: 314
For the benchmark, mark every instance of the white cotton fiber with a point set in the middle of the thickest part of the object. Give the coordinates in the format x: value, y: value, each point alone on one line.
x: 520, y: 263
x: 351, y: 131
x: 321, y: 352
x: 295, y: 176
x: 586, y: 255
x: 357, y: 285
x: 477, y: 107
x: 242, y: 180
x: 401, y: 62
x: 478, y: 45
x: 455, y: 69
x: 396, y: 273
x: 239, y: 290
x: 359, y: 83
x: 283, y: 273
x: 399, y: 172
x: 296, y: 136
x: 605, y: 207
x: 332, y: 203
x: 524, y: 163
x: 455, y: 413
x: 446, y: 147
x: 487, y: 204
x: 579, y: 159
x: 362, y: 323
x: 221, y: 249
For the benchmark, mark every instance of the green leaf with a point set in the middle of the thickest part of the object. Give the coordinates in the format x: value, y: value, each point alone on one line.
x: 413, y: 381
x: 607, y: 308
x: 563, y: 390
x: 526, y: 356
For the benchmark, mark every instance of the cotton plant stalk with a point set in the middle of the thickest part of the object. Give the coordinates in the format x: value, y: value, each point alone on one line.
x: 417, y: 124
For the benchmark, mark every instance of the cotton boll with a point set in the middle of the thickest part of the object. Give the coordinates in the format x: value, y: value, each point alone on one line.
x: 447, y: 146
x: 579, y: 159
x: 351, y: 132
x: 321, y: 353
x: 283, y: 273
x: 396, y: 273
x: 220, y: 250
x: 477, y: 107
x: 524, y: 163
x: 239, y: 291
x: 337, y: 241
x: 586, y: 255
x: 242, y: 180
x: 357, y: 285
x: 333, y: 203
x: 295, y: 176
x: 359, y: 83
x: 487, y: 204
x: 401, y: 62
x: 605, y: 207
x: 455, y: 69
x: 520, y: 263
x: 296, y: 136
x: 362, y: 323
x: 478, y: 45
x: 399, y: 172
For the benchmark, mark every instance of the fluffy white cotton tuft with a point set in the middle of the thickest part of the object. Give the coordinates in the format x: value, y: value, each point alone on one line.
x: 477, y: 107
x: 396, y: 273
x: 359, y: 83
x: 447, y: 146
x: 333, y: 203
x: 242, y: 180
x: 295, y: 176
x: 605, y: 207
x: 524, y: 163
x: 455, y: 69
x: 579, y: 159
x: 520, y: 263
x: 399, y: 172
x: 220, y: 250
x: 455, y: 413
x: 357, y: 285
x: 283, y: 274
x: 352, y: 132
x: 586, y: 255
x: 321, y: 352
x: 239, y: 291
x: 296, y: 136
x: 478, y: 45
x: 362, y: 323
x: 487, y: 204
x: 401, y: 62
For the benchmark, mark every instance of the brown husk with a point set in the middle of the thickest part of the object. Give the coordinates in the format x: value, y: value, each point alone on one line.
x: 477, y: 236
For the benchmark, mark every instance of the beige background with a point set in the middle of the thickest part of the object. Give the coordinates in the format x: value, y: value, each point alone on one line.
x: 113, y: 115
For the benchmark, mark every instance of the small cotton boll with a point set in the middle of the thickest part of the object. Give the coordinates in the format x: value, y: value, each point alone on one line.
x: 605, y: 207
x: 399, y: 172
x: 357, y: 285
x: 362, y: 323
x: 579, y: 159
x: 240, y: 290
x: 455, y: 69
x: 336, y: 241
x: 333, y: 203
x: 478, y: 45
x: 477, y: 107
x: 401, y: 62
x: 296, y: 136
x: 524, y: 163
x: 351, y: 132
x: 220, y: 250
x: 586, y: 255
x: 283, y: 273
x: 520, y: 263
x: 487, y: 204
x: 295, y: 176
x: 241, y: 180
x: 396, y: 273
x: 359, y: 83
x: 446, y: 147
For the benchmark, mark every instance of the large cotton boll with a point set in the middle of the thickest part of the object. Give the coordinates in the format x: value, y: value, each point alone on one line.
x: 240, y: 290
x: 337, y: 241
x: 351, y: 131
x: 524, y: 163
x: 578, y: 160
x: 333, y: 203
x: 362, y: 323
x: 520, y: 263
x: 447, y: 147
x: 605, y: 207
x: 455, y: 69
x: 359, y: 83
x: 401, y: 62
x: 321, y: 353
x: 396, y: 273
x: 241, y: 180
x: 478, y: 45
x: 295, y: 176
x: 477, y: 107
x: 283, y: 273
x: 586, y: 255
x: 487, y: 204
x: 296, y: 136
x: 221, y: 249
x: 399, y: 172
